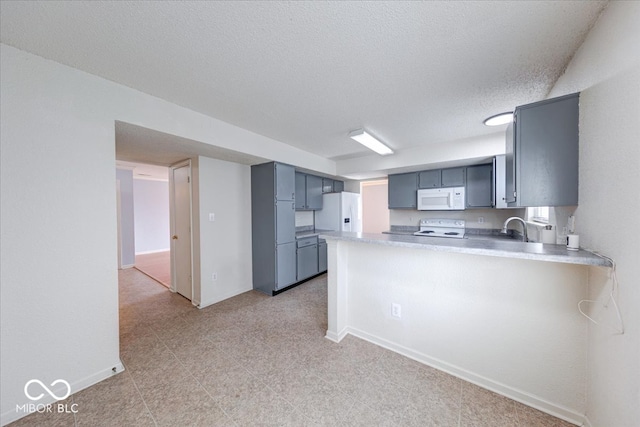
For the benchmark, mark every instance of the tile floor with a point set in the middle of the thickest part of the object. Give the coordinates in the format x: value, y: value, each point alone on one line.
x: 255, y: 360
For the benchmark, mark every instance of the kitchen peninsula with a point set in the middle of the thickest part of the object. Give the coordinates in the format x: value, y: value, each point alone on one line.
x: 503, y: 315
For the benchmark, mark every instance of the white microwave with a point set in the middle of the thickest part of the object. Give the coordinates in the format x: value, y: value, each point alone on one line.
x: 441, y: 199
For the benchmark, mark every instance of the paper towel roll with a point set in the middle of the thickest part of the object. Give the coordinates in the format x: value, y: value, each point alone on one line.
x: 573, y: 242
x: 548, y: 236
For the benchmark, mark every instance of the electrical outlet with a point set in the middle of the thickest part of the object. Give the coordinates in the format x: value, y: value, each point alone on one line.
x: 396, y: 310
x: 212, y: 217
x: 480, y: 220
x: 214, y: 276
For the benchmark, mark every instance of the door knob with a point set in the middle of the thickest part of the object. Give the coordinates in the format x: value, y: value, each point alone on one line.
x: 174, y: 237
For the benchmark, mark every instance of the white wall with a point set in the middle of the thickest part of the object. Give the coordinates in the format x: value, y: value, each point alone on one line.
x: 151, y: 215
x: 58, y: 274
x: 127, y: 218
x: 507, y: 324
x: 606, y: 69
x: 59, y: 292
x: 492, y: 218
x: 471, y: 149
x: 225, y: 243
x: 375, y: 213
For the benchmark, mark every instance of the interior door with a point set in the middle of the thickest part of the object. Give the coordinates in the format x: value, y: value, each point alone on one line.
x: 181, y: 238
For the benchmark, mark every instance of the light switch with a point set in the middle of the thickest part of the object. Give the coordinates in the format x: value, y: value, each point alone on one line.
x: 212, y: 217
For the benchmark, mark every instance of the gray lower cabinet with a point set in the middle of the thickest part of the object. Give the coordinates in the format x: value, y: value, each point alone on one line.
x: 322, y: 255
x: 307, y: 257
x: 542, y: 154
x: 479, y: 188
x: 403, y: 191
x: 285, y: 265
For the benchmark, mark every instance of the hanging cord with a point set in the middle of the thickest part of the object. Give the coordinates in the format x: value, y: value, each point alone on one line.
x: 612, y: 297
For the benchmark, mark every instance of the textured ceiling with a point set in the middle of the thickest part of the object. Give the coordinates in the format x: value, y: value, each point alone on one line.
x: 306, y: 73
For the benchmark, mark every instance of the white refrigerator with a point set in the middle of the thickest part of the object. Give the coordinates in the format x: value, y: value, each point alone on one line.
x: 340, y: 212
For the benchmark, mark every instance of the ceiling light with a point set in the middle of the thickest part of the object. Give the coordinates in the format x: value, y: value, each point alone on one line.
x: 370, y: 142
x: 499, y: 119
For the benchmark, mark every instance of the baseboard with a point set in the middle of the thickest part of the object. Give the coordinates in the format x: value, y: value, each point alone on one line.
x: 587, y: 422
x: 153, y: 252
x: 479, y: 380
x: 124, y: 267
x: 13, y: 415
x: 337, y: 337
x: 204, y: 304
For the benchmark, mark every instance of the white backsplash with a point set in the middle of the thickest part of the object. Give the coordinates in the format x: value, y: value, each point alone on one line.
x: 304, y: 218
x: 475, y: 218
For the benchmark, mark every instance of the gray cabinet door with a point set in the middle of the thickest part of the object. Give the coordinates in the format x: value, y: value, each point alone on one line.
x: 301, y: 190
x: 307, y: 260
x: 429, y: 179
x: 284, y: 182
x: 285, y: 265
x: 479, y: 188
x: 403, y: 191
x: 314, y: 192
x: 453, y: 177
x: 327, y: 185
x: 322, y: 257
x: 338, y: 186
x: 546, y: 152
x: 285, y: 222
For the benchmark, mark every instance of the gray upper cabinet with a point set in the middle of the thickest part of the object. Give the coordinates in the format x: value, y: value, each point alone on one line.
x: 403, y: 189
x: 479, y: 186
x: 285, y: 189
x: 301, y: 191
x: 453, y: 177
x: 338, y: 186
x: 542, y: 154
x: 327, y: 185
x: 436, y: 178
x: 308, y: 191
x: 314, y: 192
x: 285, y: 221
x: 429, y: 179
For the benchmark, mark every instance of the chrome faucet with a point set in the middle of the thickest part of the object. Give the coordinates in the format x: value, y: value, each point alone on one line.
x: 524, y: 227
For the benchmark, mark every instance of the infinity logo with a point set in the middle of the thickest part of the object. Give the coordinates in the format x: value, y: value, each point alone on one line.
x: 52, y: 394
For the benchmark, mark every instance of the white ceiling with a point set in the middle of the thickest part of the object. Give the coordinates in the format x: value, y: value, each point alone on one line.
x: 306, y: 73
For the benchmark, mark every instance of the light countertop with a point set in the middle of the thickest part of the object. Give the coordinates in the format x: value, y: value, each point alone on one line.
x: 507, y: 248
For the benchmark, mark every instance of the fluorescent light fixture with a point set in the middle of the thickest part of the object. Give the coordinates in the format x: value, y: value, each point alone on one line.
x: 370, y: 142
x: 499, y: 119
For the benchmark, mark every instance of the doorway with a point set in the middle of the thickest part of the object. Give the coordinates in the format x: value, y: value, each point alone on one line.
x: 181, y: 238
x: 375, y: 207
